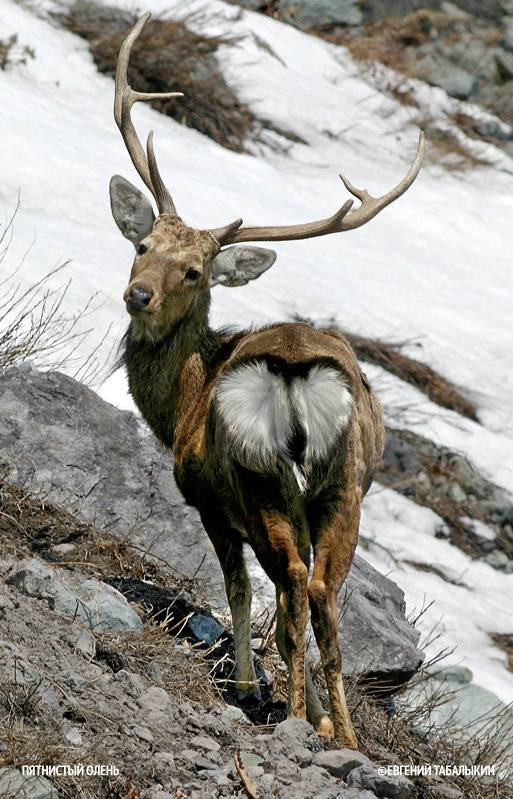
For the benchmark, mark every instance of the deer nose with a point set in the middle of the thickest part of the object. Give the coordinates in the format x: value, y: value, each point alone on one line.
x: 138, y: 298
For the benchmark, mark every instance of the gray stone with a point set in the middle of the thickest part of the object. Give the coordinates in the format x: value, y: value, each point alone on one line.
x: 63, y: 549
x: 198, y: 760
x: 507, y: 33
x: 143, y: 733
x: 445, y: 791
x: 322, y: 13
x: 377, y: 640
x: 90, y: 601
x: 205, y: 743
x: 400, y: 457
x: 86, y: 644
x: 250, y: 760
x: 459, y: 705
x: 13, y: 783
x: 440, y: 71
x: 153, y: 699
x: 339, y: 762
x: 504, y: 64
x: 206, y: 628
x: 58, y: 437
x: 233, y: 713
x: 73, y: 736
x: 164, y: 765
x: 369, y: 778
x: 295, y: 731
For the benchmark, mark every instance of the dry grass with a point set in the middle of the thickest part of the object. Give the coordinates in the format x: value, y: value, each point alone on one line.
x: 397, y: 739
x: 171, y: 56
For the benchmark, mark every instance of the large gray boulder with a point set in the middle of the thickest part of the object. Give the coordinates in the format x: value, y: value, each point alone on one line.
x: 60, y: 440
x: 322, y: 13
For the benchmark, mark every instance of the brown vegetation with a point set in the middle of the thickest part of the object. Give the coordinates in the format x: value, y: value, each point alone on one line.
x: 170, y: 56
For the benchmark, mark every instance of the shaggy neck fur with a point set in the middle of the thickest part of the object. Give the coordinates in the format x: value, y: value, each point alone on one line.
x: 154, y: 369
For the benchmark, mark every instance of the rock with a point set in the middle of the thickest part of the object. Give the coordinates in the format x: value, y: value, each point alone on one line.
x: 445, y: 791
x: 440, y: 71
x: 322, y: 13
x: 54, y: 430
x: 377, y: 640
x: 295, y: 731
x: 90, y: 601
x: 499, y: 560
x: 369, y: 778
x: 459, y: 704
x: 153, y: 699
x: 454, y: 674
x: 205, y: 628
x: 164, y: 766
x: 13, y: 783
x: 339, y: 762
x: 73, y: 736
x: 250, y: 760
x: 62, y: 549
x: 507, y: 33
x: 198, y: 760
x: 233, y: 713
x: 205, y: 743
x: 86, y: 644
x: 143, y: 733
x: 400, y: 457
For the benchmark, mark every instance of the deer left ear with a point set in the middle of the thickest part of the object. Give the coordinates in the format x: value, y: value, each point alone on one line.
x: 236, y: 266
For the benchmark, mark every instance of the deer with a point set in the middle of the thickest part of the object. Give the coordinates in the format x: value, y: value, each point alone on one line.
x: 275, y: 433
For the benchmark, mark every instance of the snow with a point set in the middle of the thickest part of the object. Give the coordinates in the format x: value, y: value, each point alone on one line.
x: 433, y: 269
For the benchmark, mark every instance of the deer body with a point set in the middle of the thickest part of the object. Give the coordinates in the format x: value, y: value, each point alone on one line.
x: 275, y: 433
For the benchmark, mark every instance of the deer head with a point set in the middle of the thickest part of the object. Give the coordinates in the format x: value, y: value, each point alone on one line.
x: 175, y: 264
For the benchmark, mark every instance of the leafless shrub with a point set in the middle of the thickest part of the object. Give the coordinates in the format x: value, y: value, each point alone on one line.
x: 34, y: 324
x: 168, y: 56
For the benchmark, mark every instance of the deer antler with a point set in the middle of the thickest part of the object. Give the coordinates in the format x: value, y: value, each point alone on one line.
x: 125, y: 97
x: 343, y: 219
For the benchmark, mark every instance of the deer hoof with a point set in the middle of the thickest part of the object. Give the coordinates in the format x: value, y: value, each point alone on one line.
x: 248, y: 692
x: 325, y: 729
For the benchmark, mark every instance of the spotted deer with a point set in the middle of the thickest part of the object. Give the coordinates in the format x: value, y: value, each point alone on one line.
x: 275, y: 433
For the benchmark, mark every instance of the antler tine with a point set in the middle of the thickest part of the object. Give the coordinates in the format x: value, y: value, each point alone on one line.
x: 164, y: 200
x: 344, y: 219
x: 370, y: 206
x: 124, y: 99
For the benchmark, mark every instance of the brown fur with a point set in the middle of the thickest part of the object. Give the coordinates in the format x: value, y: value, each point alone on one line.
x: 174, y: 363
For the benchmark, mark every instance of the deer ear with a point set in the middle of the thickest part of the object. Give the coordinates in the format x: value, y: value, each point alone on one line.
x: 236, y: 266
x: 131, y: 210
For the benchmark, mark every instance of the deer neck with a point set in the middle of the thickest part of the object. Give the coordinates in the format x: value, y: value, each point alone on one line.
x: 154, y: 369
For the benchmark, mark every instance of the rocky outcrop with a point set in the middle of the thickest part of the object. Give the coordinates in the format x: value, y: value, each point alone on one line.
x: 60, y: 440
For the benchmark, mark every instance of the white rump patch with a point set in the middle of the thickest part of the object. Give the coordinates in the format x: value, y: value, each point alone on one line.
x: 261, y: 411
x: 322, y: 404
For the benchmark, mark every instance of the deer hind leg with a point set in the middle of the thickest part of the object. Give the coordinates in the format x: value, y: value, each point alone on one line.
x: 334, y: 545
x: 315, y: 712
x: 228, y: 546
x: 272, y: 539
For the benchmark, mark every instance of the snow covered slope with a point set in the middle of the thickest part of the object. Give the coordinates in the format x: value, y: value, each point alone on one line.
x: 435, y: 267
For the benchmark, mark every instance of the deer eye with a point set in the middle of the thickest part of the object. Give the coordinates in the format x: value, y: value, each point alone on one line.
x: 141, y: 249
x: 192, y: 274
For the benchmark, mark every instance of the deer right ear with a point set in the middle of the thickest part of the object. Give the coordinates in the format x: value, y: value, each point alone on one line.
x: 131, y: 210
